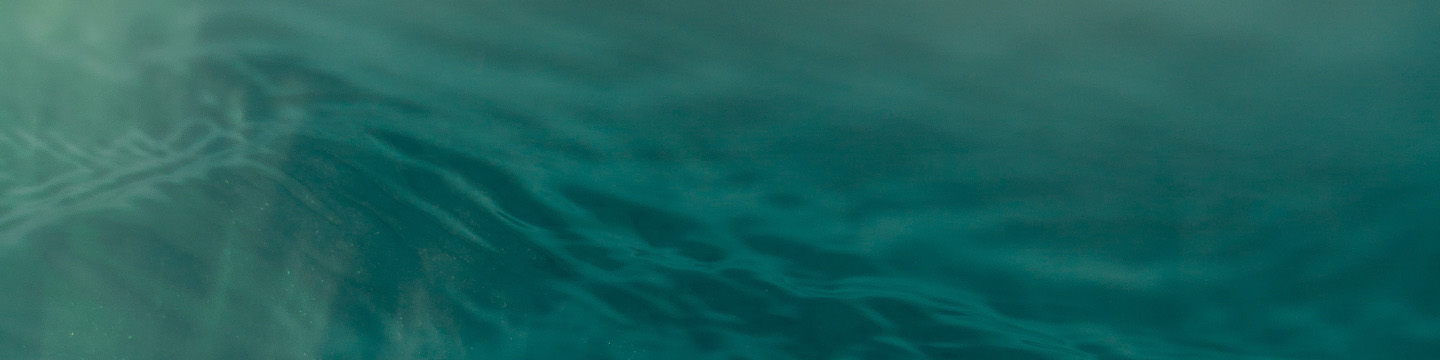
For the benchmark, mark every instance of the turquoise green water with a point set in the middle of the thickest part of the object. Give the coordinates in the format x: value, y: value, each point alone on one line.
x: 207, y: 179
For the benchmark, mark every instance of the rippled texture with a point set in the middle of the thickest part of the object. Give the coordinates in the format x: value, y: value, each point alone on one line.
x: 911, y: 179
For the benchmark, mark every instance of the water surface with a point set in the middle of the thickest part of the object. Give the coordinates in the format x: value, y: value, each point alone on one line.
x: 207, y: 179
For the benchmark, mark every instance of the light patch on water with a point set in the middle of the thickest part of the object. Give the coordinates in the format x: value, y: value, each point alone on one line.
x: 106, y: 102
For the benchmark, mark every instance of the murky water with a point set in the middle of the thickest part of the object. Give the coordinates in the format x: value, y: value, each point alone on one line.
x: 206, y: 179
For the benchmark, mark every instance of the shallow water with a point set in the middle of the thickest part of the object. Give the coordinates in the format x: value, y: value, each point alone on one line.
x: 1042, y: 179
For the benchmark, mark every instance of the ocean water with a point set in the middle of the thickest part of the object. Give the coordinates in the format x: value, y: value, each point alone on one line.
x: 645, y: 179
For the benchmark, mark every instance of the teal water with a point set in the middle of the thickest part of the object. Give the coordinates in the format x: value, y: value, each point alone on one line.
x: 635, y: 179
